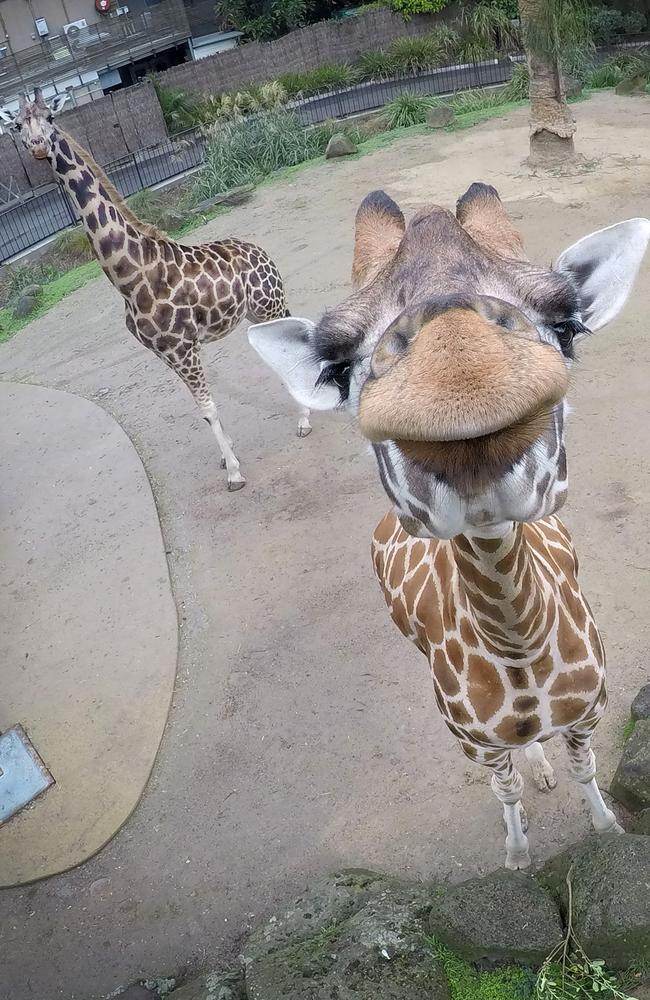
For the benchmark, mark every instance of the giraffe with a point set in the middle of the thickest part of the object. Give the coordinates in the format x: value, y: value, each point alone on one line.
x: 176, y: 297
x: 454, y: 352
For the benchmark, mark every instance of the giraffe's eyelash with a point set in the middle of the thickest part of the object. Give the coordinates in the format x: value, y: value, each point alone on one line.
x: 566, y: 333
x: 338, y: 374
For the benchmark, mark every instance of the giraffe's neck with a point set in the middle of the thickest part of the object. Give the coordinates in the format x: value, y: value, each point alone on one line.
x: 111, y: 235
x: 502, y: 584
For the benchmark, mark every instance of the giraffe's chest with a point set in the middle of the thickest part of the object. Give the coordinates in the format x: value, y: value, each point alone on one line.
x: 490, y: 686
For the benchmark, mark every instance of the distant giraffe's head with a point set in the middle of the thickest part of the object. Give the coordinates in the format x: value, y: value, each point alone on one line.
x: 454, y: 352
x: 34, y: 120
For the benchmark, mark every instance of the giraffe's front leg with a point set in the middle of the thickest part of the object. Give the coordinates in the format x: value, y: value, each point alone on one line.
x: 583, y: 768
x: 508, y: 786
x: 543, y: 773
x: 304, y: 427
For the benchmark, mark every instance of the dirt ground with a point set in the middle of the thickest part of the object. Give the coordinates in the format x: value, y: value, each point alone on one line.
x: 303, y: 733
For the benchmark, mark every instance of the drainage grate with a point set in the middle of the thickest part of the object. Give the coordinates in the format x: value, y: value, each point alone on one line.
x: 23, y: 774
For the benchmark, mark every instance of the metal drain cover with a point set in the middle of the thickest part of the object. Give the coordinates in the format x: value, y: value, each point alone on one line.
x: 23, y: 774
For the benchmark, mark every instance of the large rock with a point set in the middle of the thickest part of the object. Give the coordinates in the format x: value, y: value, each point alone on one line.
x: 641, y: 705
x: 24, y: 305
x: 439, y: 117
x: 632, y: 85
x: 631, y: 783
x: 326, y: 902
x: 640, y: 823
x: 379, y: 953
x: 504, y: 917
x: 610, y: 881
x: 572, y: 87
x: 339, y: 145
x: 212, y: 986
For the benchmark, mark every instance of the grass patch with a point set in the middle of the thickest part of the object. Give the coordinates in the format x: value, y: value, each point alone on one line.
x: 52, y: 293
x: 465, y: 983
x: 628, y: 729
x: 408, y: 109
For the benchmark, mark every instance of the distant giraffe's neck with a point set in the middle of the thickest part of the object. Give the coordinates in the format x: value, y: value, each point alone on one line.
x: 505, y: 590
x: 106, y: 219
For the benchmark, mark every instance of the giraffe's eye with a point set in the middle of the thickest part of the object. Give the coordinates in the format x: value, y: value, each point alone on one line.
x: 566, y: 332
x: 337, y: 374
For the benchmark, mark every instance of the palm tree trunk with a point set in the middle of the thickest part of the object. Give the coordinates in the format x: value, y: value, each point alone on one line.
x: 551, y: 123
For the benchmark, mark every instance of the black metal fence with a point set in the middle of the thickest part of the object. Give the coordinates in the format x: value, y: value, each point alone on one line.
x: 25, y: 223
x: 375, y: 94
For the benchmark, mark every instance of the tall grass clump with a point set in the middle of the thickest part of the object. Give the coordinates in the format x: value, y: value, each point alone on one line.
x: 243, y: 152
x: 407, y: 110
x: 517, y: 87
x: 412, y: 55
x: 377, y: 64
x: 329, y: 76
x: 181, y: 111
x: 467, y: 101
x: 492, y: 27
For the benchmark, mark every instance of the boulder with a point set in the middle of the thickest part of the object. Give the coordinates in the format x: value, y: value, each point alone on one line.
x: 212, y: 986
x: 504, y: 917
x: 632, y: 85
x: 631, y: 783
x: 32, y: 290
x: 641, y: 705
x: 379, y: 953
x: 24, y: 305
x: 640, y: 823
x: 440, y: 116
x: 573, y: 87
x: 326, y: 902
x: 610, y: 880
x: 339, y: 145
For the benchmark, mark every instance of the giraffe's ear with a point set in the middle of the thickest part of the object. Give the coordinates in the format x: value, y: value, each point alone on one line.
x: 287, y: 347
x: 57, y: 103
x: 604, y: 267
x: 378, y: 230
x: 7, y: 117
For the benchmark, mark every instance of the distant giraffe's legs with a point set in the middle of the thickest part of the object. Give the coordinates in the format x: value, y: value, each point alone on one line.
x: 543, y: 774
x: 304, y: 427
x: 508, y: 786
x: 583, y: 768
x: 190, y: 370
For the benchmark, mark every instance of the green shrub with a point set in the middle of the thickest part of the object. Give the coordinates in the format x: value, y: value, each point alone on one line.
x: 445, y: 39
x: 376, y: 65
x: 619, y: 67
x: 74, y: 245
x: 407, y: 110
x: 472, y: 49
x: 245, y: 151
x: 605, y: 75
x: 329, y: 76
x: 181, y: 111
x: 606, y: 24
x: 517, y: 87
x: 634, y: 22
x: 408, y: 8
x: 492, y: 27
x: 478, y: 100
x: 412, y: 55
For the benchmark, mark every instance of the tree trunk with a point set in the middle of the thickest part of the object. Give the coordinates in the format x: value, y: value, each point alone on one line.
x: 552, y: 124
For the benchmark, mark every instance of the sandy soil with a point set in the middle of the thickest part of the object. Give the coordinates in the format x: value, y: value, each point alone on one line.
x: 303, y: 732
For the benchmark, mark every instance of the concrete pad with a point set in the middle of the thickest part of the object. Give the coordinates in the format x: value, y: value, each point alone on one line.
x: 89, y: 644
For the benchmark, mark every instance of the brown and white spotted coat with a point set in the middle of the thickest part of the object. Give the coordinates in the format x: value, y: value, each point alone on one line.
x: 176, y: 297
x: 454, y: 352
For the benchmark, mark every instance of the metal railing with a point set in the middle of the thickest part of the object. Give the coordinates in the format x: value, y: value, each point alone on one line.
x: 114, y: 41
x: 47, y: 211
x: 372, y: 95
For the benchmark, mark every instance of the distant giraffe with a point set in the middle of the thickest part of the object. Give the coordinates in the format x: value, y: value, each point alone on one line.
x: 176, y: 297
x: 454, y: 352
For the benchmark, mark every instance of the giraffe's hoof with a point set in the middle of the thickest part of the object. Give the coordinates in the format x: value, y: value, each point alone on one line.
x: 235, y: 484
x: 517, y: 861
x: 543, y: 775
x: 304, y: 432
